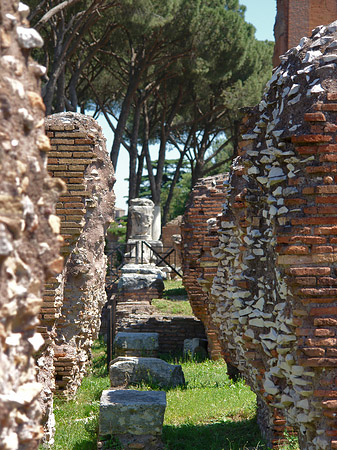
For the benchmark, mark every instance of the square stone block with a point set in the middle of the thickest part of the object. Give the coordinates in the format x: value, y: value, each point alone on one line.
x: 139, y: 342
x: 131, y: 412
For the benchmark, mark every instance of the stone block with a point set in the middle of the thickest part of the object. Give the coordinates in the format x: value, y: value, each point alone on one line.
x: 195, y: 347
x: 131, y: 412
x: 132, y: 370
x: 136, y: 344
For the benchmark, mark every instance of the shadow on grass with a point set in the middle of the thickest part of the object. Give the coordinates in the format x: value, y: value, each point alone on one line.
x: 175, y: 294
x: 242, y: 435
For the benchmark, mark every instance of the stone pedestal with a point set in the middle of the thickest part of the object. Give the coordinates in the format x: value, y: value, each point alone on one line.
x: 134, y: 418
x: 140, y: 282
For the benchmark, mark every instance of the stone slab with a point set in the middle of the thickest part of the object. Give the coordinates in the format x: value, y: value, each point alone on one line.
x: 137, y: 341
x: 133, y: 370
x: 131, y: 412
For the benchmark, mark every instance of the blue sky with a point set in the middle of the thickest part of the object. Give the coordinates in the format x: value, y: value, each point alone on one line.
x: 261, y: 13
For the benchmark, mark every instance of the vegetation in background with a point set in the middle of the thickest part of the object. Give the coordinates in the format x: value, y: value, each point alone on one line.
x: 209, y: 413
x: 117, y: 229
x: 170, y: 72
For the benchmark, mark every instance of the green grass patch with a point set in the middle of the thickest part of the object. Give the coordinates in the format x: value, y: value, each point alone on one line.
x: 174, y: 290
x: 178, y: 308
x: 209, y: 413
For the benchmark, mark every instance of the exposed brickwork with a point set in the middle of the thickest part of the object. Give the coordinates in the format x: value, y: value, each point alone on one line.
x: 73, y: 302
x: 198, y: 238
x: 172, y: 330
x: 275, y: 289
x: 296, y: 19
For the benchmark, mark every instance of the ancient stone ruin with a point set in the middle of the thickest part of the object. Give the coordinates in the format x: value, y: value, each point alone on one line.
x: 29, y: 230
x: 274, y: 293
x: 73, y: 301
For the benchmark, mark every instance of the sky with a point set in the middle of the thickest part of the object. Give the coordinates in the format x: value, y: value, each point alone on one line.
x: 261, y: 13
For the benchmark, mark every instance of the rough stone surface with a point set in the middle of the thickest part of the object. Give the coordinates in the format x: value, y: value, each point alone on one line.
x: 29, y: 246
x: 136, y: 344
x: 141, y: 277
x: 74, y: 300
x: 275, y: 287
x: 133, y: 370
x: 131, y: 412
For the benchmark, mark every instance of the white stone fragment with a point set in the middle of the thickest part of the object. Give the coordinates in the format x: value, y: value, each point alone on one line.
x: 294, y: 89
x: 16, y: 86
x: 276, y: 172
x: 262, y: 180
x: 270, y: 387
x: 306, y: 69
x: 295, y: 100
x: 36, y: 341
x: 29, y: 38
x: 23, y: 10
x: 311, y: 55
x: 328, y: 58
x: 317, y: 89
x: 286, y: 400
x: 11, y: 18
x: 249, y: 136
x: 257, y: 322
x: 13, y: 339
x: 253, y: 170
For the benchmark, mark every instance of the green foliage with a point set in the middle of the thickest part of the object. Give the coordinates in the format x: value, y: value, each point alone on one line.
x: 118, y: 229
x: 174, y: 307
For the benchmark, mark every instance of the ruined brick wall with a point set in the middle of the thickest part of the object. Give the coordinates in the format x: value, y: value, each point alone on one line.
x: 29, y: 247
x: 169, y: 238
x: 198, y: 238
x: 172, y: 330
x: 275, y: 288
x: 296, y: 19
x: 75, y: 299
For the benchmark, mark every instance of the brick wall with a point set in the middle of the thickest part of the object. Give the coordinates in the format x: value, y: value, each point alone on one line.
x: 172, y: 330
x: 198, y: 238
x: 172, y: 228
x: 275, y: 288
x: 73, y: 301
x: 296, y: 19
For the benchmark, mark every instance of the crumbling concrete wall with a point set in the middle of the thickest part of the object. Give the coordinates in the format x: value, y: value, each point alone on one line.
x: 29, y: 247
x: 295, y: 19
x: 199, y: 235
x: 75, y: 299
x: 275, y: 288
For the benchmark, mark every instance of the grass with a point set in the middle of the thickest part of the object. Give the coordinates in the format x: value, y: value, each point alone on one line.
x: 174, y: 300
x: 177, y: 308
x: 209, y: 413
x: 174, y: 290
